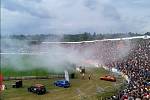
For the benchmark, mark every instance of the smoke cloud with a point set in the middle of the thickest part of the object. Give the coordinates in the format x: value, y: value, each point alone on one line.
x: 56, y: 57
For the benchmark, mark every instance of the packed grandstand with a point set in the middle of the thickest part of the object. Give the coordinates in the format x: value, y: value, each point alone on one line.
x: 136, y: 65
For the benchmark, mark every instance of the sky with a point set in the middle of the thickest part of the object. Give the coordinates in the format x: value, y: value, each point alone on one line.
x: 74, y: 16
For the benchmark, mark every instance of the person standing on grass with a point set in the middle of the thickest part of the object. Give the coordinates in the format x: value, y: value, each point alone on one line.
x: 89, y: 76
x: 83, y: 75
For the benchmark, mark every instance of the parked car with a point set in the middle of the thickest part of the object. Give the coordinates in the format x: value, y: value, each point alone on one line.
x: 17, y: 84
x: 62, y: 83
x: 38, y: 89
x: 108, y: 78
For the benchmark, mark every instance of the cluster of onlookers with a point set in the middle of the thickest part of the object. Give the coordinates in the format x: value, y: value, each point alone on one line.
x: 131, y: 57
x: 136, y: 65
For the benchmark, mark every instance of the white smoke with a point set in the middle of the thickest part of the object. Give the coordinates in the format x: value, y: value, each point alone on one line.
x: 58, y: 57
x: 53, y: 57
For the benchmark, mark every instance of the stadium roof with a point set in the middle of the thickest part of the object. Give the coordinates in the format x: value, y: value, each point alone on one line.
x: 127, y: 38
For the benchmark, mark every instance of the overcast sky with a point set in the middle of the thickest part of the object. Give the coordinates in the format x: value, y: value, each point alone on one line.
x: 74, y: 16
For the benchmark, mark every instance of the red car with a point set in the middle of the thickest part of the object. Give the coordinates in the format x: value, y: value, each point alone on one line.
x: 108, y: 78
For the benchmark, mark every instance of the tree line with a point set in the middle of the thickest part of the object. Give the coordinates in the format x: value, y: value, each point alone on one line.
x: 86, y: 36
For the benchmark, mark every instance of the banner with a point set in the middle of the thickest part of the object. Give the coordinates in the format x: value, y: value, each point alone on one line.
x: 66, y: 75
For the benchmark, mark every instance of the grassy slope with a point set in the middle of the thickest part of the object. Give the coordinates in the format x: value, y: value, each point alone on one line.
x: 80, y: 89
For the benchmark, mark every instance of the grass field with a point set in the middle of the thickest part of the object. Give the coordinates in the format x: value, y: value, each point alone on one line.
x: 29, y: 65
x: 10, y: 72
x: 80, y: 89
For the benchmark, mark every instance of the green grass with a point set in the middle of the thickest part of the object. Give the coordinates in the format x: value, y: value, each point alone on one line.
x: 29, y: 65
x: 7, y: 72
x: 80, y: 89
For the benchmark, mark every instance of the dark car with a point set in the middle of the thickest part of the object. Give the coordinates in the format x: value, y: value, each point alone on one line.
x: 38, y: 89
x: 17, y: 84
x: 62, y: 83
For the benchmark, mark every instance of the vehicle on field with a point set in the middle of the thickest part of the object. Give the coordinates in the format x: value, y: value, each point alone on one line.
x: 108, y: 78
x: 18, y: 84
x: 38, y: 89
x: 62, y: 83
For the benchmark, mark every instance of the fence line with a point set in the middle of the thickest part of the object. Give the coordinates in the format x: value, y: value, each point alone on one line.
x: 35, y: 77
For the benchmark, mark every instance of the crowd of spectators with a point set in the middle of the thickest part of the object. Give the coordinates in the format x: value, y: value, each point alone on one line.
x: 131, y: 57
x: 136, y: 65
